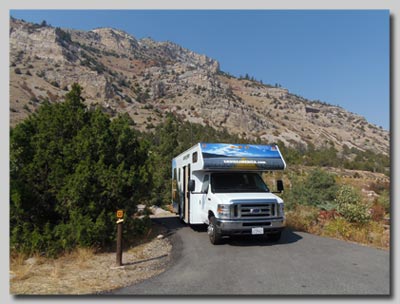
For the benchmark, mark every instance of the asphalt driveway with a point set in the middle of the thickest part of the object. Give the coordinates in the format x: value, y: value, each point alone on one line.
x: 299, y: 264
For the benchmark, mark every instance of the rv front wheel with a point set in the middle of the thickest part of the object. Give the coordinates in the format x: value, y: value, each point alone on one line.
x: 214, y: 235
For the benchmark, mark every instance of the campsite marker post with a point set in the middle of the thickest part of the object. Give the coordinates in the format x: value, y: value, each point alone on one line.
x: 120, y: 215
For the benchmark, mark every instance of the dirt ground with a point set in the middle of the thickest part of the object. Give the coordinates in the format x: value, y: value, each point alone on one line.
x: 84, y: 272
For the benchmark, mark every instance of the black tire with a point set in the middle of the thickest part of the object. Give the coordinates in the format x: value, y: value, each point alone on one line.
x: 275, y: 237
x: 180, y: 213
x: 213, y: 234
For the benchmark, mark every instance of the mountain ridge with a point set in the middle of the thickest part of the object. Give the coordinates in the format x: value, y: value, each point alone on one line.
x: 149, y: 79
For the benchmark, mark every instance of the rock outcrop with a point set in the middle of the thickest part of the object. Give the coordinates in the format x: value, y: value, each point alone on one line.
x: 148, y: 79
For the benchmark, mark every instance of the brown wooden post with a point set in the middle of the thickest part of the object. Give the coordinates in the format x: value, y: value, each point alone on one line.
x: 120, y: 215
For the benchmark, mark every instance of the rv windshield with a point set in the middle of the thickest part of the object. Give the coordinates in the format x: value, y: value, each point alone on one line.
x: 237, y: 182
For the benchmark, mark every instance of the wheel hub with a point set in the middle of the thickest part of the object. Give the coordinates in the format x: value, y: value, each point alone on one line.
x: 210, y: 229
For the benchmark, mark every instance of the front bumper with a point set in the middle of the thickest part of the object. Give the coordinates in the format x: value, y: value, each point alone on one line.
x: 242, y: 226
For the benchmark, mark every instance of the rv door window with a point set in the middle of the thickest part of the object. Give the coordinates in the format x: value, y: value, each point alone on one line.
x: 194, y: 157
x: 206, y: 182
x: 237, y: 182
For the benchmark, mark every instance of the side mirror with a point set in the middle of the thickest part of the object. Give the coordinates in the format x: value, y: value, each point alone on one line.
x: 279, y: 185
x: 191, y: 185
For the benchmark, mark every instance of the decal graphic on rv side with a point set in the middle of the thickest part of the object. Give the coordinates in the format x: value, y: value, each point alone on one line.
x: 250, y: 157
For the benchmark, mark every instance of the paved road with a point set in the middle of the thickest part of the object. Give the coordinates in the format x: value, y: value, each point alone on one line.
x: 300, y: 264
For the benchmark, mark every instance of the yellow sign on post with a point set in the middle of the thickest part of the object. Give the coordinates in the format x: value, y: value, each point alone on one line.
x: 120, y: 213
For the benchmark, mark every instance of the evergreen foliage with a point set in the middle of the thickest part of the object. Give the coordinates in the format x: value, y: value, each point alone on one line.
x: 317, y: 189
x: 328, y: 156
x: 366, y: 160
x: 71, y: 169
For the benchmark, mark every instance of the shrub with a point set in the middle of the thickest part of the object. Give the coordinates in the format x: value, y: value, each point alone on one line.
x: 26, y: 108
x: 317, y: 189
x: 54, y: 83
x: 70, y: 169
x: 350, y: 205
x: 40, y: 74
x: 347, y: 195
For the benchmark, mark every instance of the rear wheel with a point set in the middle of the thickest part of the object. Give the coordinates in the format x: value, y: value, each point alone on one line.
x: 180, y: 214
x: 214, y: 235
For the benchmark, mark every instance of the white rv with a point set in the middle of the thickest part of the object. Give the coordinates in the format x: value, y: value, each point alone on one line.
x: 221, y: 185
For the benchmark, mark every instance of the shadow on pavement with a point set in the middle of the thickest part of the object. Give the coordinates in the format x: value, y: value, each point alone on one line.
x: 288, y: 237
x: 173, y: 224
x: 199, y: 228
x: 145, y: 260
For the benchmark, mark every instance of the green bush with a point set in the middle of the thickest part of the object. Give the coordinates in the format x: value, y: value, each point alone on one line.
x: 70, y: 170
x: 317, y: 189
x: 350, y: 205
x: 347, y: 195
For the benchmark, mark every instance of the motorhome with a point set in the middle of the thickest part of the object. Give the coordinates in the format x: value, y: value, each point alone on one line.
x: 221, y: 185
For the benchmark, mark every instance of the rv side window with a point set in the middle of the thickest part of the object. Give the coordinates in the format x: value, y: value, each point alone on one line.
x: 179, y: 174
x: 206, y: 182
x: 194, y: 157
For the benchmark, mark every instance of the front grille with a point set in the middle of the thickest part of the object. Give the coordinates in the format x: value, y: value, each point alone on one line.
x: 252, y: 210
x: 257, y: 210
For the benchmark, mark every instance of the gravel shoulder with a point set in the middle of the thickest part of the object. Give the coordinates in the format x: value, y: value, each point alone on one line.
x: 83, y: 272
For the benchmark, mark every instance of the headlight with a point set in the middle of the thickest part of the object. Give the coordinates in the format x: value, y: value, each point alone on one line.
x: 224, y: 210
x: 281, y: 210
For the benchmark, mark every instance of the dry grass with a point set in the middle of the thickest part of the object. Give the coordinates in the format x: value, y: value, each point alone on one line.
x: 302, y: 218
x: 23, y: 266
x: 373, y: 233
x: 308, y: 219
x: 82, y: 256
x: 85, y: 272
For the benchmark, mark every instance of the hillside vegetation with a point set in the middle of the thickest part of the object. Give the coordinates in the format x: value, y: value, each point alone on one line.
x: 72, y: 167
x: 151, y: 80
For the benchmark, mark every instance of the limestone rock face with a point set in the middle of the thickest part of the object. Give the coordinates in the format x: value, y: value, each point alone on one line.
x: 148, y: 79
x: 35, y: 41
x: 116, y: 40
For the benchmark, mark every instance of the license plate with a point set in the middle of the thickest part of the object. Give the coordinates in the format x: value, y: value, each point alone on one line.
x: 257, y: 230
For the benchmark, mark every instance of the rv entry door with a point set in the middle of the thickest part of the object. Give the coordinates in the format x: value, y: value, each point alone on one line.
x: 186, y: 204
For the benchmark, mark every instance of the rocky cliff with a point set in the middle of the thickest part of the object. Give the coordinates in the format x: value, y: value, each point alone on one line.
x: 148, y: 79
